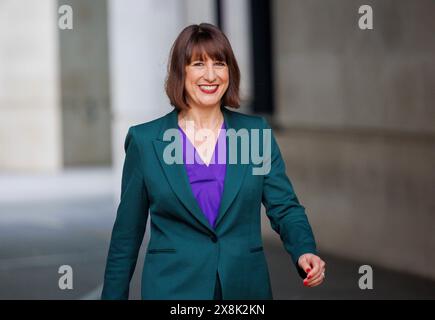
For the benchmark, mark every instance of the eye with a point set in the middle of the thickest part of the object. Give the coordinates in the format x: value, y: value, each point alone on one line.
x: 220, y: 63
x: 197, y: 64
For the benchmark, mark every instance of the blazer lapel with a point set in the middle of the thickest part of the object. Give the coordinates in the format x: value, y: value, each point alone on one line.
x: 235, y: 173
x: 176, y: 173
x: 177, y: 176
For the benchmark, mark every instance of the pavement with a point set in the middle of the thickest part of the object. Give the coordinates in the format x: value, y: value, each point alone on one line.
x: 47, y: 221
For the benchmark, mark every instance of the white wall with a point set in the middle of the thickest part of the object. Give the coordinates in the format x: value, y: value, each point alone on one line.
x: 30, y: 136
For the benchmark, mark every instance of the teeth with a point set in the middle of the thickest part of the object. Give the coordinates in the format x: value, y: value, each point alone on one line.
x: 208, y: 87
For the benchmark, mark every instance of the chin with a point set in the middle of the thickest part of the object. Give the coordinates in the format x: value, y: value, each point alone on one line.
x: 207, y: 104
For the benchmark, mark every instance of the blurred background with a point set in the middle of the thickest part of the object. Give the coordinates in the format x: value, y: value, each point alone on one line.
x: 353, y: 110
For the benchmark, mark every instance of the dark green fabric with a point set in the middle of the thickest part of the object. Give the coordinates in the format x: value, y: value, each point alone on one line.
x: 217, y: 289
x: 184, y: 252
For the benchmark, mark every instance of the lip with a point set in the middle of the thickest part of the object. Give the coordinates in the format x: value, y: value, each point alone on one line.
x: 216, y: 87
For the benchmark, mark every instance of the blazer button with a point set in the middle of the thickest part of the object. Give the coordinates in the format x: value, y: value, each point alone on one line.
x: 213, y: 238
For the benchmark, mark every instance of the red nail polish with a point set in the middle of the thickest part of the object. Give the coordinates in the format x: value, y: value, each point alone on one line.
x: 308, y: 270
x: 309, y: 277
x: 305, y: 282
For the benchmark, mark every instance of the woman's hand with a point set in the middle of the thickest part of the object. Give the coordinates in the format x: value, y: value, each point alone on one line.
x: 314, y: 267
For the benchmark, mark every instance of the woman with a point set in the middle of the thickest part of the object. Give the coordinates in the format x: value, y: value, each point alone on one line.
x: 205, y: 214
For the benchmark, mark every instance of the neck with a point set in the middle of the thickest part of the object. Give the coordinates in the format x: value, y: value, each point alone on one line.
x: 202, y: 117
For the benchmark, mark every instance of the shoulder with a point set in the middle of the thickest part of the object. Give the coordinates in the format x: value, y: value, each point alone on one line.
x: 248, y: 121
x: 149, y: 130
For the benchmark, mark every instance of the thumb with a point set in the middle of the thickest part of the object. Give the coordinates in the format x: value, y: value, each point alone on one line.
x: 303, y: 263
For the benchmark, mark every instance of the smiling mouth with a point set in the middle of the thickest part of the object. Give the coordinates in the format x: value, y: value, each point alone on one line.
x: 209, y: 89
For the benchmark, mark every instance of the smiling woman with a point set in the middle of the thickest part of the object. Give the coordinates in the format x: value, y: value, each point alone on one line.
x: 202, y: 57
x: 206, y: 217
x: 208, y: 76
x: 203, y: 65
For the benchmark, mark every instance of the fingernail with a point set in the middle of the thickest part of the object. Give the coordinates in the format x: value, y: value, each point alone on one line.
x: 308, y: 270
x: 305, y: 282
x: 309, y: 277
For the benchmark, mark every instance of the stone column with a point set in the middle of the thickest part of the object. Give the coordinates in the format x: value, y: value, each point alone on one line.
x: 30, y: 124
x: 237, y: 27
x: 140, y: 37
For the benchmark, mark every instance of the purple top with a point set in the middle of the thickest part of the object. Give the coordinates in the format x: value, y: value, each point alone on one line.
x: 207, y: 182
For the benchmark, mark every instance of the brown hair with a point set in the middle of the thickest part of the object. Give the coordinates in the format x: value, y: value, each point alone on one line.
x: 197, y: 41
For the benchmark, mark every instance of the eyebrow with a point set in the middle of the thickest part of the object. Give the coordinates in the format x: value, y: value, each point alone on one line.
x: 202, y: 60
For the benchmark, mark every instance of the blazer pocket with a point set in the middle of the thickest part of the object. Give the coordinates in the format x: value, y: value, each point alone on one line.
x: 151, y: 251
x: 256, y: 249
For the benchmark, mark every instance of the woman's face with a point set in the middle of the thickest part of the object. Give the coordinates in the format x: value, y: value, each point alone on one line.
x: 206, y: 82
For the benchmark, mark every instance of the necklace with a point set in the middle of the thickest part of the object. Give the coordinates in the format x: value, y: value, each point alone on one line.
x: 183, y: 119
x: 207, y: 141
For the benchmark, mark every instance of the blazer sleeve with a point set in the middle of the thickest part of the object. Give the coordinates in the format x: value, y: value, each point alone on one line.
x: 287, y: 216
x: 130, y: 224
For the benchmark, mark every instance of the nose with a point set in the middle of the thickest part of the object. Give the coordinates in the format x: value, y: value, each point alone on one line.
x: 210, y: 73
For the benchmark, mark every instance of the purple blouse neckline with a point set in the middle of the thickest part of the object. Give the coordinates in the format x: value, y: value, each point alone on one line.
x: 207, y: 182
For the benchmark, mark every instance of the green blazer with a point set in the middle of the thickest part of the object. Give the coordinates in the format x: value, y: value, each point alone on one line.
x: 185, y: 252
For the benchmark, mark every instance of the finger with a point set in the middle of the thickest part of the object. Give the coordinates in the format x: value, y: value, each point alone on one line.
x: 303, y: 263
x: 315, y: 263
x: 321, y: 269
x: 316, y: 277
x: 316, y: 283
